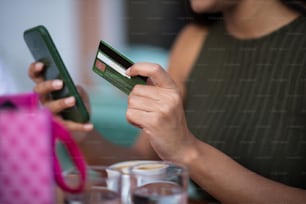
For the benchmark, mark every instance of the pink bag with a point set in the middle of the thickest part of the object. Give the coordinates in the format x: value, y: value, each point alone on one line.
x: 28, y: 162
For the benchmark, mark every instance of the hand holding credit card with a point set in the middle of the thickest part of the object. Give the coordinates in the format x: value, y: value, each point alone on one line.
x: 111, y: 65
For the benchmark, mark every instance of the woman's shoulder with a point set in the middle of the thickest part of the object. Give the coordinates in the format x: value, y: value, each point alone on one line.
x: 188, y: 42
x: 185, y: 50
x: 191, y: 34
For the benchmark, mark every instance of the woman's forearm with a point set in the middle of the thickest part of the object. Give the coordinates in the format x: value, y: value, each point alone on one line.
x: 230, y: 182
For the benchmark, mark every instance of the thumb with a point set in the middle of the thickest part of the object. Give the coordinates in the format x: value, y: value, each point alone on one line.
x: 154, y: 72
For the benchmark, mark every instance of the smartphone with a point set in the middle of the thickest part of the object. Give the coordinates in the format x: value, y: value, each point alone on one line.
x: 44, y: 50
x: 112, y: 65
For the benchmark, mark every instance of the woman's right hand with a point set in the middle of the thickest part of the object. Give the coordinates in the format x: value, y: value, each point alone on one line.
x: 44, y: 88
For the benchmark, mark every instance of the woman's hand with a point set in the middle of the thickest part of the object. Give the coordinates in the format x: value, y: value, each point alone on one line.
x: 44, y: 88
x: 157, y: 108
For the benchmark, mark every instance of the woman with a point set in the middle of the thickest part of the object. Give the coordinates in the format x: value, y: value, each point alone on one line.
x: 241, y: 133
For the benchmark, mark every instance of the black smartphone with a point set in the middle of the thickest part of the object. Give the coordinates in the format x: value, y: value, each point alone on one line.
x: 44, y: 50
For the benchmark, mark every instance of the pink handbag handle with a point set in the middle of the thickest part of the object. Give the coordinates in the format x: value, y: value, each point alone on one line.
x: 59, y: 132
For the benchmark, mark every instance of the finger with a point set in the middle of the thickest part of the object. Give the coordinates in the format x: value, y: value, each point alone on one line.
x: 155, y: 72
x: 46, y: 87
x: 143, y: 103
x: 59, y: 105
x: 35, y: 72
x: 137, y: 118
x: 76, y: 127
x: 152, y: 92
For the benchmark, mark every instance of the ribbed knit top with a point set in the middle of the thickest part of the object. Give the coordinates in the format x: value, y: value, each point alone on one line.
x: 248, y: 99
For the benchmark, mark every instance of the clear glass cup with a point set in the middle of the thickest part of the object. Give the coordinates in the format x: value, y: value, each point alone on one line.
x: 124, y: 167
x: 103, y: 186
x: 158, y: 182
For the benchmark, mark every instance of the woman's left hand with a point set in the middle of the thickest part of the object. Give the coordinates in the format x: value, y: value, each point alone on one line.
x: 157, y: 108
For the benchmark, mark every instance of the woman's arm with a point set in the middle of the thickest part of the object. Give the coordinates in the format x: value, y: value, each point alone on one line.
x: 230, y: 182
x: 158, y: 110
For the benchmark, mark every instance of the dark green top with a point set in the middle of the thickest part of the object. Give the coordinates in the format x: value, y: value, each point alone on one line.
x: 248, y: 99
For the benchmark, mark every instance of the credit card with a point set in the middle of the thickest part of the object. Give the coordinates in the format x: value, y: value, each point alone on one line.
x: 112, y: 65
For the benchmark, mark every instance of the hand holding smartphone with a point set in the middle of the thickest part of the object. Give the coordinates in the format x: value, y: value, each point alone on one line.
x: 44, y: 50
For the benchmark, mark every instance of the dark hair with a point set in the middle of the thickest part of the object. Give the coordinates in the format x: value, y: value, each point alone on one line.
x: 298, y: 5
x: 209, y: 18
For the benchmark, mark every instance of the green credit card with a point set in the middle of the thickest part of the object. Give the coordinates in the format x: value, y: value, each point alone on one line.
x: 112, y: 65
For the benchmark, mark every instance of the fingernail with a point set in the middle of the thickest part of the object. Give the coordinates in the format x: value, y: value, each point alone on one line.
x: 128, y: 71
x: 88, y: 126
x: 57, y: 84
x: 70, y: 100
x: 38, y: 66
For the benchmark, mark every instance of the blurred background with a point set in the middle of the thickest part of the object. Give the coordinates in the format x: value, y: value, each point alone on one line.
x: 141, y: 29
